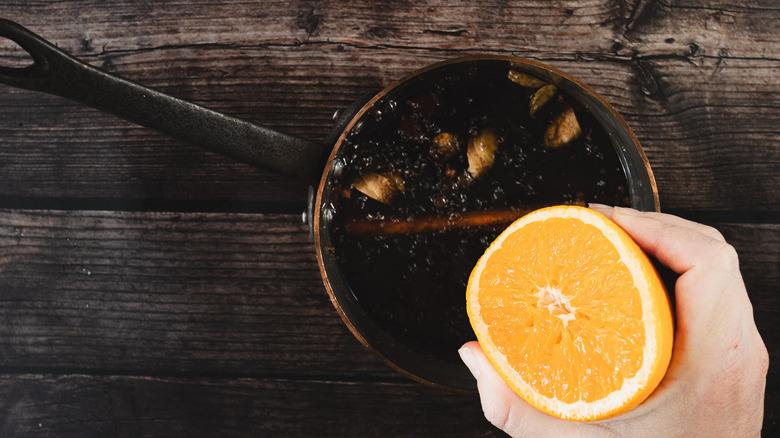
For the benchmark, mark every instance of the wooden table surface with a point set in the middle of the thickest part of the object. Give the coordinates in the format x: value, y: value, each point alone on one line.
x: 150, y: 288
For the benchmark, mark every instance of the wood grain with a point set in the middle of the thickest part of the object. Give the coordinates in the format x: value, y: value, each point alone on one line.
x: 151, y: 288
x: 210, y: 293
x: 78, y: 406
x: 189, y: 293
x: 46, y: 405
x: 587, y: 28
x: 683, y: 104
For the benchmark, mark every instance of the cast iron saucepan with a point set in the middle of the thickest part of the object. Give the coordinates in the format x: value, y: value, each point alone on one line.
x: 394, y: 256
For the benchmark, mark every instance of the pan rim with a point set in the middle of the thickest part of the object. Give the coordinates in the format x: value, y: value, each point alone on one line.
x: 320, y: 204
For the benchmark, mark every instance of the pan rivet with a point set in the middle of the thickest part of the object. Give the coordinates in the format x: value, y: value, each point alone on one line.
x: 337, y: 168
x: 326, y: 215
x: 336, y: 114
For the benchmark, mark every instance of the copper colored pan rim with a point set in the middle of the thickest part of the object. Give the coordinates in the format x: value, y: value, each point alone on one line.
x: 318, y: 202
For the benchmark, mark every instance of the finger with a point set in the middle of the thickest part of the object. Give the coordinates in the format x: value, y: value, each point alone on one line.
x: 675, y: 242
x: 606, y: 210
x: 707, y: 230
x: 711, y: 299
x: 681, y: 222
x: 504, y: 408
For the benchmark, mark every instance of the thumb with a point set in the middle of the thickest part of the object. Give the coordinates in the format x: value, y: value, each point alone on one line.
x: 504, y: 408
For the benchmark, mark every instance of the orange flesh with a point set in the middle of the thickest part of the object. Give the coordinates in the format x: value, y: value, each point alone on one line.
x: 566, y: 315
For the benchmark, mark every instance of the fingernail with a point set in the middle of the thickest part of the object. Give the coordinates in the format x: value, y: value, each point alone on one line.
x: 471, y: 361
x: 628, y: 211
x: 606, y: 210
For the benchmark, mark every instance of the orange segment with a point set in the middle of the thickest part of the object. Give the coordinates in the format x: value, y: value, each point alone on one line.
x: 572, y: 314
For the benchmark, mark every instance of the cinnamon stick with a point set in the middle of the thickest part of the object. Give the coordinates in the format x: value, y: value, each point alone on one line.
x: 435, y: 223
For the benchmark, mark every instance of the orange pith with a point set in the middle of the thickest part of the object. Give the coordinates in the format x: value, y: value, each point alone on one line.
x: 572, y: 314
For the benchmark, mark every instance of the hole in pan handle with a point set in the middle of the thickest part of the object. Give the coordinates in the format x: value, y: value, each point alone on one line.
x: 56, y: 72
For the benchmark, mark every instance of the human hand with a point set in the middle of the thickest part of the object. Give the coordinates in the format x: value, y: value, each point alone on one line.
x: 716, y: 380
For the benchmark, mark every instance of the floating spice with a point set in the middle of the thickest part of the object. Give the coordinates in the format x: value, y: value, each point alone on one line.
x: 525, y: 80
x: 407, y: 260
x: 379, y: 187
x: 481, y: 152
x: 542, y: 96
x: 445, y: 146
x: 562, y: 130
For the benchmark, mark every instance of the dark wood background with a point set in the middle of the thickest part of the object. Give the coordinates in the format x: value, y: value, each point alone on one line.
x: 149, y: 288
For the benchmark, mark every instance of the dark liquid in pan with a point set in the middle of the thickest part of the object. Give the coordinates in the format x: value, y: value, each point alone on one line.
x: 413, y: 285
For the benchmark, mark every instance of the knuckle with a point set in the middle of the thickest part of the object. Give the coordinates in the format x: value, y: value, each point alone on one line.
x: 509, y: 417
x: 726, y: 256
x: 515, y: 424
x: 496, y: 412
x: 733, y: 366
x: 493, y: 396
x: 744, y: 367
x: 741, y: 385
x: 712, y: 232
x: 762, y: 358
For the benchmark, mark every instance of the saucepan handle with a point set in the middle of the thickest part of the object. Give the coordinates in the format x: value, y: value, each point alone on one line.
x: 55, y: 72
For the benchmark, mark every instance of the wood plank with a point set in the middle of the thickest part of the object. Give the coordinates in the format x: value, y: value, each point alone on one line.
x: 189, y: 293
x: 212, y: 294
x: 771, y: 413
x: 99, y: 406
x: 217, y: 324
x: 530, y: 28
x: 709, y: 151
x: 54, y: 149
x: 758, y: 247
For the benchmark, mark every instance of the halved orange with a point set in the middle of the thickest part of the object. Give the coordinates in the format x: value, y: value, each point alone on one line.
x: 572, y: 314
